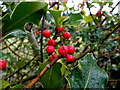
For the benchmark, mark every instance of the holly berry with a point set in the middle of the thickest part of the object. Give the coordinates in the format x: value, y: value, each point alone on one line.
x: 52, y: 42
x: 46, y: 33
x: 2, y: 64
x: 69, y: 58
x: 63, y: 50
x: 60, y: 30
x: 52, y: 57
x: 71, y: 49
x: 116, y: 38
x: 66, y: 35
x: 99, y: 14
x: 50, y: 49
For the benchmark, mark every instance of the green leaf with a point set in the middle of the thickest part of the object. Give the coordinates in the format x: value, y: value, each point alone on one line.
x: 17, y: 33
x: 89, y: 75
x: 75, y: 19
x: 52, y: 76
x: 3, y: 84
x: 24, y: 12
x: 18, y: 87
x: 88, y: 18
x: 56, y: 15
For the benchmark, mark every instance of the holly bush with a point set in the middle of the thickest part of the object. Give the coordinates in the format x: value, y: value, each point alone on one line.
x: 51, y: 45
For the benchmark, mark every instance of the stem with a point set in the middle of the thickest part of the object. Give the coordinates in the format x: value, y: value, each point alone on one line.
x: 10, y: 44
x: 83, y: 54
x: 90, y: 12
x: 22, y: 81
x: 41, y: 39
x: 108, y: 35
x: 115, y: 6
x: 14, y: 52
x: 43, y: 72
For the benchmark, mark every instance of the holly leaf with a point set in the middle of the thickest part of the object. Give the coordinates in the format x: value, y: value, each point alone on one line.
x: 18, y: 87
x: 75, y: 19
x: 88, y: 74
x: 22, y: 13
x: 56, y: 15
x: 3, y: 84
x: 53, y: 77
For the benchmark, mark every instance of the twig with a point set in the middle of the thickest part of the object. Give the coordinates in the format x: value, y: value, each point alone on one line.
x: 113, y: 80
x: 9, y: 45
x: 14, y: 52
x: 41, y: 39
x: 21, y: 68
x: 84, y: 53
x: 22, y: 81
x: 43, y: 72
x: 107, y: 36
x: 115, y: 6
x: 117, y: 50
x: 90, y: 12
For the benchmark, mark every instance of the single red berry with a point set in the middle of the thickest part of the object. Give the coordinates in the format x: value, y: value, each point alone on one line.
x: 70, y: 58
x: 116, y: 38
x: 52, y: 57
x: 52, y: 42
x: 60, y: 30
x: 66, y: 35
x: 46, y: 33
x: 63, y: 50
x: 50, y: 49
x: 99, y: 14
x: 71, y: 49
x: 2, y: 64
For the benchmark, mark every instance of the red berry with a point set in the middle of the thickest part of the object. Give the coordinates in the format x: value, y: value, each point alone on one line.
x: 60, y: 30
x: 63, y: 50
x: 99, y: 14
x: 70, y: 58
x: 66, y: 35
x: 52, y: 42
x: 50, y: 49
x: 2, y: 64
x: 52, y: 57
x: 71, y: 49
x: 46, y: 33
x: 116, y: 38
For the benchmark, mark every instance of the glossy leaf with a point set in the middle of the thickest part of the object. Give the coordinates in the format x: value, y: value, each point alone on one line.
x: 3, y: 84
x: 75, y: 19
x: 53, y: 77
x: 89, y: 75
x: 56, y: 15
x: 32, y: 12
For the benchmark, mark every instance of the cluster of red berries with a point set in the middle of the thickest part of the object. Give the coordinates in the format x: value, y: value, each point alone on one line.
x: 62, y: 50
x: 2, y: 64
x: 99, y: 14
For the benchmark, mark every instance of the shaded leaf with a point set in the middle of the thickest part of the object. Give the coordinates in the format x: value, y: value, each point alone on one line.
x: 89, y: 75
x: 18, y: 87
x: 75, y: 19
x: 53, y: 77
x: 17, y: 33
